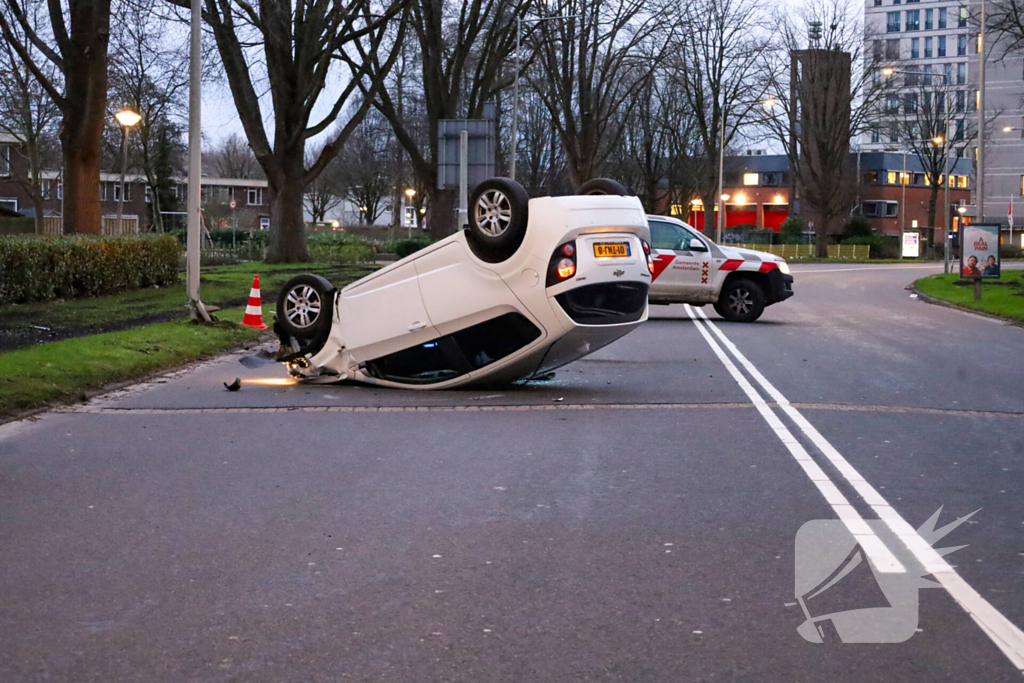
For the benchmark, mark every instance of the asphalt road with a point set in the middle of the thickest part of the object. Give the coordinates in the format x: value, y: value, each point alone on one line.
x: 632, y: 520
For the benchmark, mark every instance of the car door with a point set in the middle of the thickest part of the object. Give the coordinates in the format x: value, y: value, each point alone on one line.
x: 682, y: 264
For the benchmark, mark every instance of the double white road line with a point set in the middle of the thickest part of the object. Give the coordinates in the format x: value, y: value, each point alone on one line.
x: 998, y: 628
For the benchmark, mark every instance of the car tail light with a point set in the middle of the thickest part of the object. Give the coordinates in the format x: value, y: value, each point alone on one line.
x: 562, y: 265
x: 647, y: 253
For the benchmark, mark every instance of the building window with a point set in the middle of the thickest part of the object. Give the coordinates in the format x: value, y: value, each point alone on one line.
x: 1022, y: 184
x: 5, y: 161
x: 892, y: 22
x: 928, y: 75
x: 961, y: 98
x: 892, y: 104
x: 914, y: 20
x: 961, y: 45
x: 891, y: 178
x: 942, y: 17
x: 961, y: 181
x: 915, y: 46
x: 254, y: 196
x: 9, y: 203
x: 878, y: 49
x: 149, y: 194
x: 961, y: 73
x: 876, y: 137
x: 910, y: 103
x: 103, y: 192
x: 878, y: 3
x: 940, y: 103
x: 929, y: 19
x: 894, y: 133
x: 750, y: 179
x: 892, y: 48
x: 941, y: 51
x: 962, y: 19
x: 928, y: 47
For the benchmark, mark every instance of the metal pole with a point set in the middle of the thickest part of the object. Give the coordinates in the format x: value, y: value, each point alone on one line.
x: 463, y: 179
x: 195, y: 169
x: 721, y: 169
x: 515, y: 105
x: 981, y: 117
x: 903, y: 202
x: 124, y: 165
x: 945, y: 218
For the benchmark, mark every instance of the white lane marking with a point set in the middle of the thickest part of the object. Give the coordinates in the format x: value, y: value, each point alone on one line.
x: 794, y: 271
x: 880, y: 555
x: 1007, y: 637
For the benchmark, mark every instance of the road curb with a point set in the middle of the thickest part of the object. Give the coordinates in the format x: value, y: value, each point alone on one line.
x: 947, y: 304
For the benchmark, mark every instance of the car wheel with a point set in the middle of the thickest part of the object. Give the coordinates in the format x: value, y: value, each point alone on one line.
x: 304, y: 305
x: 498, y: 213
x: 741, y: 301
x: 603, y: 186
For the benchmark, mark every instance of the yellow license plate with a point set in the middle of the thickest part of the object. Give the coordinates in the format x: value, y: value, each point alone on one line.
x: 611, y: 249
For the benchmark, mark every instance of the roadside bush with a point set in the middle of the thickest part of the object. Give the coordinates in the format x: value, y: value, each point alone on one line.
x: 44, y: 268
x: 1010, y: 251
x: 857, y: 226
x: 222, y: 237
x: 337, y: 247
x: 404, y: 248
x: 882, y: 246
x: 792, y: 230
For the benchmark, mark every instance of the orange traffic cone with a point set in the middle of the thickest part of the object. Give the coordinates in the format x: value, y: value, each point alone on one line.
x: 254, y: 311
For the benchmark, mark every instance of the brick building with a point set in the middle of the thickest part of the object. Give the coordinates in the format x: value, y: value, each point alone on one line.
x: 251, y: 212
x: 757, y: 187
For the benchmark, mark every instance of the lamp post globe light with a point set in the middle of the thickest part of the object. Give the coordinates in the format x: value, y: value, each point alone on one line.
x: 410, y: 192
x: 128, y: 119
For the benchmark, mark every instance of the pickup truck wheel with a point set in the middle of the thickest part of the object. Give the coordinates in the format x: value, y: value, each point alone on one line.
x: 741, y: 301
x: 304, y: 305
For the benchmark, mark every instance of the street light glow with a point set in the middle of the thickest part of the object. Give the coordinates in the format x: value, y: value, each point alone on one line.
x: 1007, y: 129
x: 888, y: 71
x: 769, y: 104
x: 127, y: 118
x: 725, y: 197
x: 410, y: 193
x: 740, y: 198
x: 937, y: 139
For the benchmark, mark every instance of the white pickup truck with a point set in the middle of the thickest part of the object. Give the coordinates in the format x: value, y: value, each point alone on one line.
x: 691, y: 269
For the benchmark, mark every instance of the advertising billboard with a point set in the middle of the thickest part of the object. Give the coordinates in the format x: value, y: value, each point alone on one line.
x: 979, y: 251
x: 911, y: 244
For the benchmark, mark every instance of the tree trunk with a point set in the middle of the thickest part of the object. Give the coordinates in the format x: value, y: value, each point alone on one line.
x: 821, y: 238
x: 287, y: 229
x: 441, y: 219
x: 82, y: 211
x: 933, y: 197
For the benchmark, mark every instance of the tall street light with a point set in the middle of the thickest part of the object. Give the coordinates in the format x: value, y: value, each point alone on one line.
x: 409, y: 193
x: 515, y: 86
x: 768, y: 104
x: 127, y: 118
x: 195, y: 166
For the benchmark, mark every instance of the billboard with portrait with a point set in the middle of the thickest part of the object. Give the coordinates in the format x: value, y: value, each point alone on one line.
x: 979, y: 251
x: 911, y: 244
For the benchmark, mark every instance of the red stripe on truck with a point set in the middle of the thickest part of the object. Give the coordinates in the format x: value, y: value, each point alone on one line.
x: 767, y: 265
x: 731, y: 264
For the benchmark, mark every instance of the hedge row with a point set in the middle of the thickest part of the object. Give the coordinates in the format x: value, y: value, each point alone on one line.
x: 44, y: 268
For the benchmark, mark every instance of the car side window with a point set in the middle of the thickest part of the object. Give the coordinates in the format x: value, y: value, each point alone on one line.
x: 691, y: 235
x: 668, y: 236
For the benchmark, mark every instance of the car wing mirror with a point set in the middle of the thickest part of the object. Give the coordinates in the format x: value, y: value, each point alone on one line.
x: 697, y: 245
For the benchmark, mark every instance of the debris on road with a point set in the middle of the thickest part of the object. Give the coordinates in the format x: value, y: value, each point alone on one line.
x: 234, y: 386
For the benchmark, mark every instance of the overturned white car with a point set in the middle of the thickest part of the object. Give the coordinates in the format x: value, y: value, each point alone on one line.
x: 530, y: 285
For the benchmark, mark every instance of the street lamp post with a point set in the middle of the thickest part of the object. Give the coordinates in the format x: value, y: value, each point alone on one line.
x: 515, y: 84
x: 981, y: 116
x: 409, y: 193
x: 127, y: 118
x: 768, y: 105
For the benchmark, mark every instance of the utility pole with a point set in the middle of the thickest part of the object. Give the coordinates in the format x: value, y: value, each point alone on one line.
x: 981, y: 116
x: 195, y: 168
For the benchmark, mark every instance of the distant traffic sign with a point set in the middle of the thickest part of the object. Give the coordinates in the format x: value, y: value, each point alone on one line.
x: 233, y: 203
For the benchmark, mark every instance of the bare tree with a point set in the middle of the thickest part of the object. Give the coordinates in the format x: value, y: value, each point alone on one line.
x: 595, y: 60
x: 322, y: 194
x: 718, y: 68
x: 28, y: 114
x: 233, y: 158
x: 76, y: 46
x: 464, y: 50
x: 149, y: 75
x: 1005, y: 19
x: 541, y: 158
x: 288, y: 50
x: 362, y: 171
x: 803, y: 76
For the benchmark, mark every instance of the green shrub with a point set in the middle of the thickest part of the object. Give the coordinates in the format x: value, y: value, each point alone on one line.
x: 882, y: 246
x: 404, y: 248
x: 792, y: 230
x: 858, y: 226
x: 339, y: 247
x: 43, y: 268
x: 222, y: 237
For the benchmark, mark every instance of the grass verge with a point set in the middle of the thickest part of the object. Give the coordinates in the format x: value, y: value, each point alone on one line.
x: 1003, y: 297
x: 25, y: 324
x: 70, y: 370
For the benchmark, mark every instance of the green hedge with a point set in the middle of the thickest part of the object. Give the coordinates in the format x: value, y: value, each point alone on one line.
x: 43, y: 268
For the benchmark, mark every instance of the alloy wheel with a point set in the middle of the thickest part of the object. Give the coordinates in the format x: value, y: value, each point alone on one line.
x: 493, y: 213
x: 302, y: 306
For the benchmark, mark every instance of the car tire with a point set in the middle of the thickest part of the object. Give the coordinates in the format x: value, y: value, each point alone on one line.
x: 603, y: 186
x: 498, y: 215
x: 741, y: 301
x: 305, y: 306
